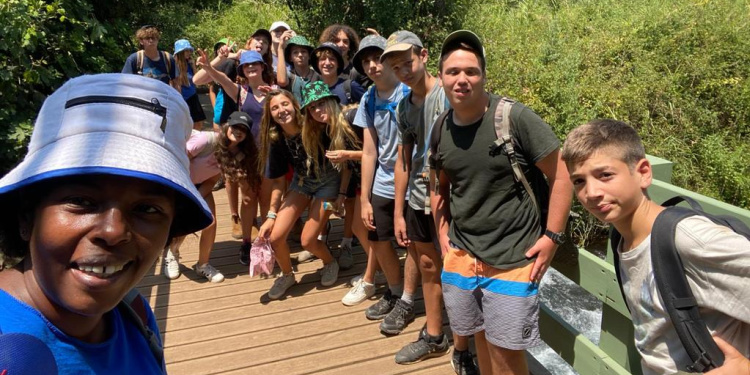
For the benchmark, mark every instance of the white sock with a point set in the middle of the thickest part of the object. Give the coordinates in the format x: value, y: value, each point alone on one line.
x: 322, y: 237
x: 407, y: 297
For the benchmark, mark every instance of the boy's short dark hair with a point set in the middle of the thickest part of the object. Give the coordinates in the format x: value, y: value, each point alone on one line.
x: 585, y: 140
x: 465, y: 47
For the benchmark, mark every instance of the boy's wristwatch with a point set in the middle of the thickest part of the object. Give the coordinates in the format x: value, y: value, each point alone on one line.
x: 558, y: 238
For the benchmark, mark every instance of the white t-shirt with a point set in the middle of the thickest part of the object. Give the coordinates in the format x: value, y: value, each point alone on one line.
x: 717, y: 266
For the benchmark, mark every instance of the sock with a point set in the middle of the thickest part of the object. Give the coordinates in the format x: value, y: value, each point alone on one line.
x: 322, y: 237
x: 407, y: 297
x: 346, y: 241
x: 396, y: 290
x: 434, y: 339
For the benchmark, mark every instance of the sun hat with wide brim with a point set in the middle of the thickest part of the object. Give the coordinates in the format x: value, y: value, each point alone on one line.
x: 368, y: 43
x: 249, y: 57
x: 297, y: 40
x: 315, y: 91
x: 181, y: 45
x: 336, y: 52
x: 114, y: 124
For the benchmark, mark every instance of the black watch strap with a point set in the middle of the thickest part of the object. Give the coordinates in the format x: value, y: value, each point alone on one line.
x: 558, y: 238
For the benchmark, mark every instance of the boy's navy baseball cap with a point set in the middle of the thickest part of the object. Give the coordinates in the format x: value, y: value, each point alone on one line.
x: 116, y: 124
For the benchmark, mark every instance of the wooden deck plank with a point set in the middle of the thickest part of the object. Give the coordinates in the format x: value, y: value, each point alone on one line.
x: 233, y: 328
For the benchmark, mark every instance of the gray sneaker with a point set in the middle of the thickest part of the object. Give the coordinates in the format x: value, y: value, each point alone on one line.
x: 463, y: 363
x: 422, y: 349
x: 329, y: 274
x: 346, y: 259
x: 396, y: 320
x: 281, y: 285
x: 381, y: 308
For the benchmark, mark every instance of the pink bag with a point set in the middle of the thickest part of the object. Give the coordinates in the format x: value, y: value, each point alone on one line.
x: 261, y: 257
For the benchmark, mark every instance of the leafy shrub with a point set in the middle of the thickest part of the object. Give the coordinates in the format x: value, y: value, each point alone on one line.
x: 676, y: 70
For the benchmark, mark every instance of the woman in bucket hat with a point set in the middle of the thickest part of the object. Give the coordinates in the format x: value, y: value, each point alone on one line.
x: 297, y: 50
x: 183, y: 58
x: 103, y: 188
x: 249, y: 95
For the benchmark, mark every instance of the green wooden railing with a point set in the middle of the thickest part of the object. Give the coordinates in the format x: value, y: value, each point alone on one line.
x: 615, y: 353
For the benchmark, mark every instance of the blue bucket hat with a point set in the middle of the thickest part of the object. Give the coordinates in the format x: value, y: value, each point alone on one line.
x: 181, y: 45
x: 249, y: 57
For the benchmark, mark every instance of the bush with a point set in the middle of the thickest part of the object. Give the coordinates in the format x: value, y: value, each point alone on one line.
x: 676, y: 70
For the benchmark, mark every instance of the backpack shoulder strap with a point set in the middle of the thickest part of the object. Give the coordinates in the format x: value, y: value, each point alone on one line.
x: 370, y: 104
x: 139, y: 61
x: 505, y: 142
x: 675, y: 292
x: 167, y: 61
x: 614, y: 242
x: 133, y: 309
x: 348, y: 90
x: 437, y: 132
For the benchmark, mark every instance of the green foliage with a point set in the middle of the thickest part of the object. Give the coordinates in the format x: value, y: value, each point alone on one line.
x: 676, y: 70
x: 432, y: 20
x: 237, y: 21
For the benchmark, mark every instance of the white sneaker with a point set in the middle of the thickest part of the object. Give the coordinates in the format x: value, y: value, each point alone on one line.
x: 171, y: 265
x: 304, y: 256
x: 329, y: 274
x: 281, y: 285
x: 360, y: 292
x: 346, y: 259
x: 379, y: 279
x: 208, y: 271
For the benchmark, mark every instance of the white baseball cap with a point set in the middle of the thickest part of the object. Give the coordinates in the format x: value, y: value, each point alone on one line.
x: 278, y: 24
x: 118, y: 124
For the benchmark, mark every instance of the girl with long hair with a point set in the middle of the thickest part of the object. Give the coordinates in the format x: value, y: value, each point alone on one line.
x: 183, y: 58
x: 250, y: 94
x: 289, y: 138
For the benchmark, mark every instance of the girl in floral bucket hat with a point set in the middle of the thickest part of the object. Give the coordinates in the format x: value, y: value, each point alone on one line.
x: 103, y: 188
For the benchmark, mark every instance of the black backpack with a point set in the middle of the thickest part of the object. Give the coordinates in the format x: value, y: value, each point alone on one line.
x: 669, y: 274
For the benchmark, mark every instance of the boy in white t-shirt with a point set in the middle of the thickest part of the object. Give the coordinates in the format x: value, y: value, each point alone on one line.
x: 610, y: 175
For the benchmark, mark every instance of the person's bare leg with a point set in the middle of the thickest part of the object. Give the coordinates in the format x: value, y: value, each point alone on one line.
x: 411, y: 270
x: 248, y: 210
x: 349, y: 217
x: 508, y: 362
x: 316, y: 221
x: 359, y: 230
x: 483, y: 353
x: 430, y: 265
x: 388, y: 261
x: 293, y: 206
x: 264, y: 199
x: 208, y: 235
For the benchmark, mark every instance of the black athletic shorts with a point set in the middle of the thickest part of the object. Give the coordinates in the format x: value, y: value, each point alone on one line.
x: 420, y: 227
x: 196, y: 111
x: 382, y: 215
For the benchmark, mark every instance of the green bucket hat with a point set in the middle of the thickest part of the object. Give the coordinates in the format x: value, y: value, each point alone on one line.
x: 297, y: 40
x: 315, y: 91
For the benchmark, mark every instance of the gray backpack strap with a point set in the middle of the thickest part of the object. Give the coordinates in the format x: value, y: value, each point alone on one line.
x: 505, y: 142
x: 133, y: 309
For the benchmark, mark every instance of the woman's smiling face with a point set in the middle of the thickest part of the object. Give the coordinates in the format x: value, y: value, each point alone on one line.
x: 92, y: 238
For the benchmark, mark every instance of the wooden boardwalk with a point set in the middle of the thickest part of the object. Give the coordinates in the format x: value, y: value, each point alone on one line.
x: 233, y: 328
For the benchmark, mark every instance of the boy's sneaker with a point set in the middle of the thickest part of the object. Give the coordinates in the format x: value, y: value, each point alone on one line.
x: 463, y: 363
x: 381, y: 308
x: 171, y: 265
x: 304, y: 256
x: 422, y: 349
x: 329, y: 274
x: 357, y: 294
x: 346, y: 259
x: 236, y: 227
x: 245, y: 253
x: 281, y: 285
x: 208, y: 271
x: 396, y: 320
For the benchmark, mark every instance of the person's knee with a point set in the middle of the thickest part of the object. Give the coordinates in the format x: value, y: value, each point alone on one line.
x: 308, y: 239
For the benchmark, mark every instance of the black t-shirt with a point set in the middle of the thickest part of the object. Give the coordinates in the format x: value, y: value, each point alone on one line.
x: 492, y: 215
x: 288, y: 151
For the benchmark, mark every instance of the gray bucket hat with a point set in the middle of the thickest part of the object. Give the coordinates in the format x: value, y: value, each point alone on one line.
x: 369, y: 42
